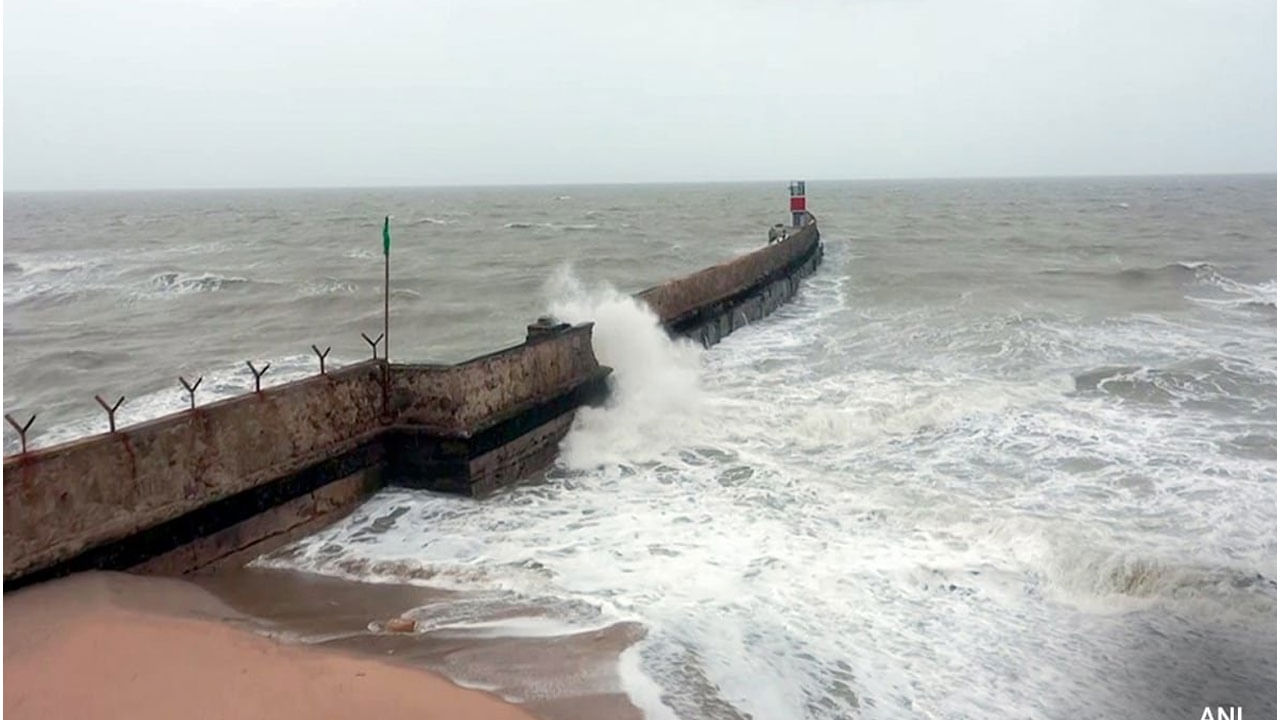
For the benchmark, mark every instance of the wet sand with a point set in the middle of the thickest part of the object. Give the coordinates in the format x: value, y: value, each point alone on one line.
x: 109, y: 645
x: 557, y: 677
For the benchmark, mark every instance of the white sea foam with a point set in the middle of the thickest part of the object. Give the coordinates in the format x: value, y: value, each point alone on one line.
x: 181, y: 283
x: 654, y: 389
x: 889, y: 499
x: 53, y: 275
x: 822, y: 518
x: 327, y: 286
x: 570, y: 227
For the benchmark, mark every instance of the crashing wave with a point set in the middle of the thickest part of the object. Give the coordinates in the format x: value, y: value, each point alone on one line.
x: 1115, y: 576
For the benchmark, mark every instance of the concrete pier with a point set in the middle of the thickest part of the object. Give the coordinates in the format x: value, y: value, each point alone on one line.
x: 711, y: 303
x: 227, y: 481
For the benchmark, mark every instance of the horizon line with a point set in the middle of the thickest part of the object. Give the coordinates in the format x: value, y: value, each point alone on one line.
x: 755, y: 181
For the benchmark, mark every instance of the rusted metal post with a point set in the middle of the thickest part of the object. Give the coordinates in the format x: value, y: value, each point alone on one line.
x: 22, y: 429
x: 257, y: 375
x: 111, y: 410
x: 322, y: 356
x: 191, y: 389
x: 373, y: 343
x: 386, y: 368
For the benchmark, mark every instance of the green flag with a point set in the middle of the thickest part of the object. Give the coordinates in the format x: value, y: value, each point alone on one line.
x: 386, y: 235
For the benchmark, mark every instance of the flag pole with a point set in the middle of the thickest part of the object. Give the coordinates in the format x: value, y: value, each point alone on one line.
x: 386, y: 289
x: 386, y: 316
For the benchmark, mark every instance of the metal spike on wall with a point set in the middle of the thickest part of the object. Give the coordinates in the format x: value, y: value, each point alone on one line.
x: 111, y: 410
x: 22, y: 429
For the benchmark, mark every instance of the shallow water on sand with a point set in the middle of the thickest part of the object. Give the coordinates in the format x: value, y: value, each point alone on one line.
x: 1011, y: 452
x: 555, y: 670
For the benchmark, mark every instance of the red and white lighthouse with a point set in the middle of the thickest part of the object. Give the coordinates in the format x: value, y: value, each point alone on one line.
x: 797, y: 203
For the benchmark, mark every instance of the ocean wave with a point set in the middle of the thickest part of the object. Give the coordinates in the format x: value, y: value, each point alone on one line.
x: 655, y: 378
x: 1202, y: 282
x: 1263, y: 293
x: 32, y: 279
x: 86, y: 359
x: 429, y: 221
x: 1095, y: 378
x: 327, y: 286
x: 57, y: 266
x: 1080, y: 567
x: 22, y: 293
x: 1120, y: 581
x: 579, y: 227
x: 1265, y: 308
x: 70, y: 278
x: 1201, y: 380
x: 178, y: 283
x: 345, y: 219
x: 335, y: 553
x: 1176, y: 271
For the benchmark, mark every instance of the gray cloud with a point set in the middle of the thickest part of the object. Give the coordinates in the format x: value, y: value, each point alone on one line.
x: 162, y: 93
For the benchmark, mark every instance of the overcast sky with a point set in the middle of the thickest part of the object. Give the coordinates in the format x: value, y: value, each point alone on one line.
x: 237, y: 93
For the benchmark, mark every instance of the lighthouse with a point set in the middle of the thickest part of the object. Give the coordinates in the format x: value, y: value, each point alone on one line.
x: 797, y: 203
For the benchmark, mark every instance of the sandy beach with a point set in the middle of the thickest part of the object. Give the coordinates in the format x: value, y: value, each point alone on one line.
x: 574, y: 675
x: 109, y: 645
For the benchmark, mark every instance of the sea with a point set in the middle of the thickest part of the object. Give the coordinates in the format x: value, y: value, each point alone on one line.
x: 1009, y: 453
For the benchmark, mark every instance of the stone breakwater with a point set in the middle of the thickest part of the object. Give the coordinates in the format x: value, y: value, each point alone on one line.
x: 229, y: 480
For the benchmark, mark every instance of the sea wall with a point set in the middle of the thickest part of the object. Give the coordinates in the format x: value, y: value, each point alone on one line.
x: 474, y: 427
x: 462, y: 400
x: 711, y: 303
x: 63, y: 501
x: 189, y: 490
x: 229, y: 480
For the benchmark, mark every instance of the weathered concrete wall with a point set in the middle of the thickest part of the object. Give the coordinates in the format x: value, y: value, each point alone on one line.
x: 720, y: 319
x: 485, y: 423
x: 232, y: 478
x: 678, y: 299
x: 465, y: 399
x: 711, y: 303
x: 269, y: 529
x: 186, y: 490
x: 65, y: 499
x: 525, y: 455
x: 517, y: 446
